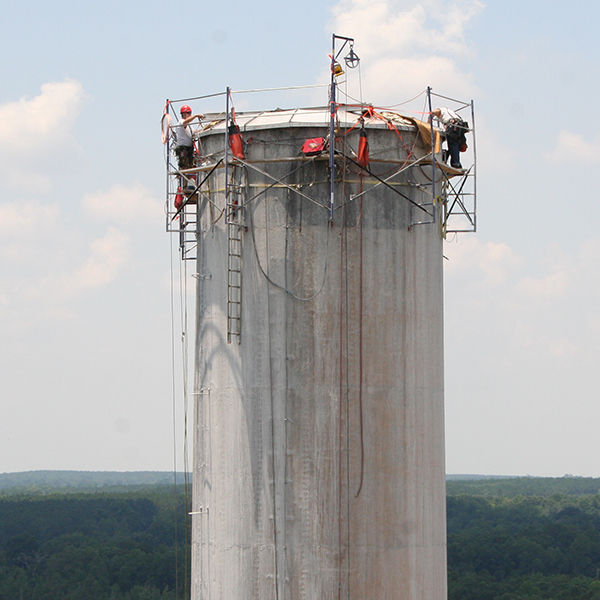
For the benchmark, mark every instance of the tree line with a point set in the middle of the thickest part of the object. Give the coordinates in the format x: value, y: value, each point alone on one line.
x: 537, y: 545
x: 511, y: 539
x: 113, y: 546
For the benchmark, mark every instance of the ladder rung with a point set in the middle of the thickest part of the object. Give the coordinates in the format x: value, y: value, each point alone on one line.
x: 234, y: 215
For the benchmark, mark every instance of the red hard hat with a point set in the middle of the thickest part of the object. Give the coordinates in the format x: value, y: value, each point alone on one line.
x: 185, y: 108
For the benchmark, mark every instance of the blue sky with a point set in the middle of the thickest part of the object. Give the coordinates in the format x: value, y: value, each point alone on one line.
x: 85, y: 315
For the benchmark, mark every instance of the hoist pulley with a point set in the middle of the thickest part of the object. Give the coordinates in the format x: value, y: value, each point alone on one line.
x: 351, y: 59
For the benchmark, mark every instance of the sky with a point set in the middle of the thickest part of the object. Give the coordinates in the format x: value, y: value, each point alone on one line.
x: 91, y: 372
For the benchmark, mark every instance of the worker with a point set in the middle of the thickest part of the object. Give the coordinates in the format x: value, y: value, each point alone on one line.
x: 454, y: 132
x: 182, y: 133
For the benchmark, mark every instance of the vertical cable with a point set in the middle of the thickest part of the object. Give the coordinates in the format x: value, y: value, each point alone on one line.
x: 433, y: 198
x: 360, y: 97
x: 341, y: 394
x: 185, y: 356
x: 174, y: 410
x: 271, y: 386
x: 360, y: 349
x: 347, y: 393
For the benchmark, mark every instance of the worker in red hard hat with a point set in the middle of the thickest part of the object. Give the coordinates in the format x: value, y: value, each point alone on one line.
x: 182, y: 133
x: 454, y: 132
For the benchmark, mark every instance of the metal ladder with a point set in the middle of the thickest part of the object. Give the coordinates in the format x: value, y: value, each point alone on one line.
x: 188, y: 228
x: 184, y: 223
x: 235, y: 229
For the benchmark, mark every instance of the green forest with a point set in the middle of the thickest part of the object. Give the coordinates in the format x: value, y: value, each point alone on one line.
x: 508, y: 539
x: 129, y: 545
x: 524, y: 539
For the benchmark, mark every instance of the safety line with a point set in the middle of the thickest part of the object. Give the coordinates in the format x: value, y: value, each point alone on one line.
x: 185, y: 357
x: 273, y: 429
x: 360, y: 357
x: 277, y: 89
x: 361, y: 103
x: 340, y: 410
x: 281, y: 287
x: 198, y: 97
x: 174, y: 416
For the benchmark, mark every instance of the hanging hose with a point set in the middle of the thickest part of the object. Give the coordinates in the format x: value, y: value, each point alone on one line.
x: 165, y: 124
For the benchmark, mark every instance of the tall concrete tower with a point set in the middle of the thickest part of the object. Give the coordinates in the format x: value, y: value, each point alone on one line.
x: 319, y: 406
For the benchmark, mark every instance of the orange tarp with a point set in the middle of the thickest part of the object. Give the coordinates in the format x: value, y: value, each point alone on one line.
x: 425, y: 131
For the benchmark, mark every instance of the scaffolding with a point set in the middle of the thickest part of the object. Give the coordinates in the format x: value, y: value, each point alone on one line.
x: 449, y: 190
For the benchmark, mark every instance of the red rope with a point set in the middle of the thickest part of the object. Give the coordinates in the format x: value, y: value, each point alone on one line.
x: 340, y: 416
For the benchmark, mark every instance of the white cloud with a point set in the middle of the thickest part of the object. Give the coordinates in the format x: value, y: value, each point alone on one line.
x: 496, y: 157
x: 108, y: 255
x: 551, y: 285
x: 563, y: 347
x: 387, y: 77
x: 407, y: 45
x: 549, y: 305
x: 124, y: 203
x: 494, y: 260
x: 18, y: 219
x: 522, y: 345
x: 47, y: 269
x: 45, y: 119
x: 573, y: 148
x: 32, y: 130
x: 26, y: 232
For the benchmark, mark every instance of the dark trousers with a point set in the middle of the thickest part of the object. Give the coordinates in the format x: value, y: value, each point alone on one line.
x: 454, y: 149
x: 185, y: 156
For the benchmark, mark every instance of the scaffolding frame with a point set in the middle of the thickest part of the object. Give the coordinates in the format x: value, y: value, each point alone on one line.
x: 459, y: 194
x: 450, y: 190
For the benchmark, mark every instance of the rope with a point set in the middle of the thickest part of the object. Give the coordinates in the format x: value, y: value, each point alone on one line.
x: 174, y: 417
x: 278, y: 89
x: 277, y: 285
x: 184, y: 352
x: 165, y: 127
x: 360, y: 83
x: 344, y: 322
x: 183, y: 320
x: 347, y: 324
x: 372, y: 113
x: 340, y: 415
x: 360, y: 356
x: 408, y: 101
x: 271, y: 388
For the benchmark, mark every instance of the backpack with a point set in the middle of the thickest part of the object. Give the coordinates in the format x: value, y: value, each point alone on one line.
x: 457, y: 127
